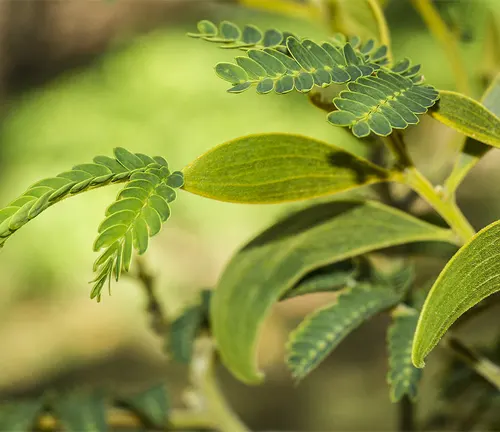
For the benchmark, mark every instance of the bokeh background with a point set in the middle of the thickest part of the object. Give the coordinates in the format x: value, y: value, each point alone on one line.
x: 79, y: 77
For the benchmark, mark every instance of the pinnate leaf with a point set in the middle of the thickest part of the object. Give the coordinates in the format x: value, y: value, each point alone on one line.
x: 403, y: 377
x: 272, y: 168
x: 315, y: 237
x: 152, y: 406
x: 80, y: 178
x: 19, y: 415
x: 381, y: 103
x: 323, y: 330
x: 137, y: 214
x: 469, y: 277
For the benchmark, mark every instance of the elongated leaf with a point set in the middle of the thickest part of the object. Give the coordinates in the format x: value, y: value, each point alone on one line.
x: 469, y: 277
x: 81, y: 412
x: 19, y: 415
x: 320, y: 235
x: 323, y: 330
x: 152, y: 406
x: 474, y: 150
x: 272, y: 168
x: 468, y: 117
x: 403, y: 377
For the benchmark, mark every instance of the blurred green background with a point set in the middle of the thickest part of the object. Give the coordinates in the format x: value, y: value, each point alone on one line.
x: 78, y: 78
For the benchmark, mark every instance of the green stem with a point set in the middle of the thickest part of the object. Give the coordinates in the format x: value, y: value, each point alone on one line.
x: 408, y: 174
x: 445, y: 37
x: 383, y: 28
x: 203, y: 378
x: 481, y: 365
x: 448, y: 209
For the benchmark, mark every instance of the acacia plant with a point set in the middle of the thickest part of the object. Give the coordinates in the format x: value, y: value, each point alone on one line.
x: 330, y: 245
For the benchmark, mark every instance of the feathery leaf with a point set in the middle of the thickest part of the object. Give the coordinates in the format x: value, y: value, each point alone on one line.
x: 80, y: 178
x: 324, y: 329
x: 403, y: 377
x: 137, y: 214
x: 381, y: 103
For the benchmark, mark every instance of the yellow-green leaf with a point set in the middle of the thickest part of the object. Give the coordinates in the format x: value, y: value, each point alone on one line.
x: 277, y: 167
x: 469, y: 277
x: 263, y: 270
x: 467, y: 116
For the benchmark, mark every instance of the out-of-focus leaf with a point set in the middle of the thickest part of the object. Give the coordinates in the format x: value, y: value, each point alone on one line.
x: 263, y: 270
x: 403, y: 377
x: 273, y: 168
x: 19, y: 415
x: 185, y: 328
x: 324, y: 329
x: 468, y: 117
x: 81, y: 412
x: 153, y: 405
x: 469, y: 277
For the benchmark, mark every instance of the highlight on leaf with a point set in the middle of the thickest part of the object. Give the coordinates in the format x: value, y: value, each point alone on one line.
x: 381, y: 103
x: 323, y: 330
x: 138, y: 213
x: 81, y: 178
x: 403, y: 377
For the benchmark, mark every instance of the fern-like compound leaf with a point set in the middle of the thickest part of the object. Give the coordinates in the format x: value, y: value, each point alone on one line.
x: 323, y: 330
x: 381, y: 103
x: 304, y: 65
x: 81, y: 178
x: 402, y: 377
x: 138, y: 213
x: 229, y: 35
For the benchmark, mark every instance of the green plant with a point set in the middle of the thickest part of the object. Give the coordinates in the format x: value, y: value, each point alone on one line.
x: 328, y: 246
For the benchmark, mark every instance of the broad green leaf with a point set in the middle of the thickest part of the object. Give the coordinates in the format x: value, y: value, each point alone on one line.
x: 403, y: 377
x: 153, y: 405
x: 323, y: 330
x: 474, y: 150
x: 81, y: 412
x: 19, y: 415
x: 468, y: 117
x: 272, y: 168
x: 469, y: 277
x: 312, y: 238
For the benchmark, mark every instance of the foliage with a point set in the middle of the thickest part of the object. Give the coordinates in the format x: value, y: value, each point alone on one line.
x: 334, y: 245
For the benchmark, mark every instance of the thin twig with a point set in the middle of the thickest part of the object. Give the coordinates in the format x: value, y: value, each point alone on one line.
x: 159, y: 323
x: 406, y: 415
x: 477, y: 362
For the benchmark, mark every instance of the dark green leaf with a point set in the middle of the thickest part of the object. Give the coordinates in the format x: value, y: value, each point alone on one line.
x: 403, y: 377
x: 81, y: 412
x: 323, y: 330
x: 320, y: 235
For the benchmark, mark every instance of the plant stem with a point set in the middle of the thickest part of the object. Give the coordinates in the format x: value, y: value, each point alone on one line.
x: 480, y: 364
x: 383, y: 28
x: 448, y: 209
x: 445, y: 37
x: 406, y: 415
x: 203, y: 377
